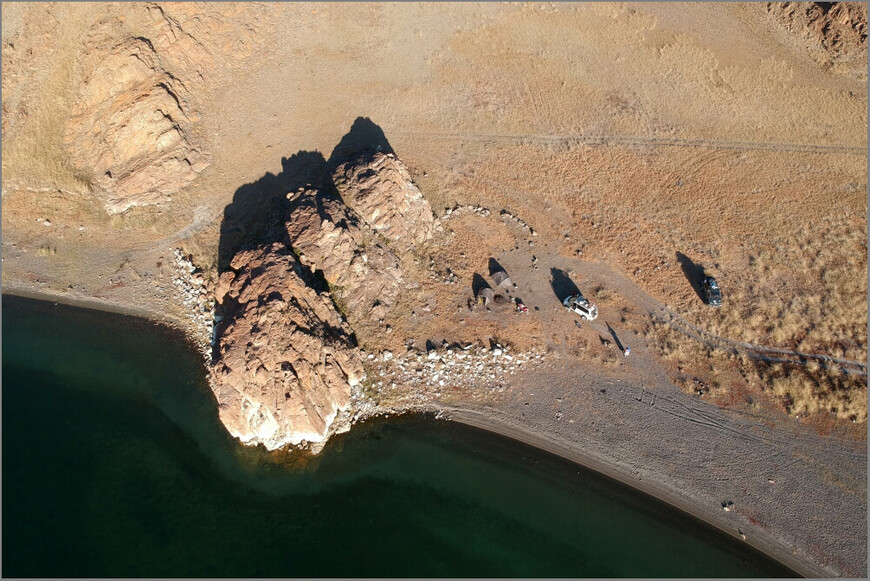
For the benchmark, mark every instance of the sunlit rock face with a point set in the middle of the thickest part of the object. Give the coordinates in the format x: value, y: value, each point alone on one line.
x: 377, y: 186
x: 364, y: 276
x: 131, y: 129
x: 286, y: 361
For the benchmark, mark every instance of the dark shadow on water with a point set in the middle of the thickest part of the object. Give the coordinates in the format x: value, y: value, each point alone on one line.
x: 694, y: 273
x: 256, y: 214
x: 562, y: 285
x: 364, y: 135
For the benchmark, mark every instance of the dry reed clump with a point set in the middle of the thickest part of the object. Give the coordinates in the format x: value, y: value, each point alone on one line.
x: 596, y: 350
x: 602, y: 294
x: 694, y: 367
x: 46, y: 250
x: 805, y: 392
x: 807, y: 294
x: 673, y: 345
x: 801, y: 389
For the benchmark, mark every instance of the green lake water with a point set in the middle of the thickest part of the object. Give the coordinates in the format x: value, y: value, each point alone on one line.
x: 115, y: 464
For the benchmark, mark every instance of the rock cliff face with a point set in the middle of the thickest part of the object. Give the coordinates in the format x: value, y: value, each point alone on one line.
x: 839, y: 28
x: 363, y: 275
x: 378, y: 187
x: 286, y: 360
x: 131, y: 128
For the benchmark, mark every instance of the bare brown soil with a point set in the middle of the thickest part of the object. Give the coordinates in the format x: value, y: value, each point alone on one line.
x: 638, y: 143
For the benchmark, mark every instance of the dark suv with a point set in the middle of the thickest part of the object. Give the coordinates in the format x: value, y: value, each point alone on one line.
x: 712, y: 292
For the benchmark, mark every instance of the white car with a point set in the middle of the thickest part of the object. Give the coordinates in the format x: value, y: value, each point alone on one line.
x: 582, y: 306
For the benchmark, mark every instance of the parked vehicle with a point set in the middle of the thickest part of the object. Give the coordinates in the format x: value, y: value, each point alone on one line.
x: 582, y: 306
x: 712, y: 292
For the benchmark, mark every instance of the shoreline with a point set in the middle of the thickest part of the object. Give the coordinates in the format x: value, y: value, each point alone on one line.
x: 767, y: 545
x: 94, y: 303
x: 493, y: 423
x: 107, y: 306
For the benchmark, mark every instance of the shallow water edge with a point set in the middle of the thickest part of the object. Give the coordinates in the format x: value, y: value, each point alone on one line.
x: 491, y: 424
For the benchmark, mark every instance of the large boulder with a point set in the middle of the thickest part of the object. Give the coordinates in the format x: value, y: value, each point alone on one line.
x: 377, y: 186
x: 363, y: 275
x: 285, y: 360
x: 131, y: 130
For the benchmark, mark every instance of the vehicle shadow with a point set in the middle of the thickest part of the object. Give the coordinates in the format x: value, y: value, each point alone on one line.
x: 563, y: 286
x: 694, y: 273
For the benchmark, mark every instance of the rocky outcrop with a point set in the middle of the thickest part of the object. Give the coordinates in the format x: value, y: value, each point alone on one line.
x: 838, y: 28
x: 364, y: 276
x: 131, y: 128
x: 377, y: 186
x: 358, y: 239
x: 285, y: 361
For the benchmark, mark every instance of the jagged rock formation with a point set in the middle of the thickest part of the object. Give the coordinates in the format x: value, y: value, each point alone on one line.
x: 130, y: 129
x: 285, y: 359
x: 378, y: 187
x: 839, y: 28
x: 363, y: 274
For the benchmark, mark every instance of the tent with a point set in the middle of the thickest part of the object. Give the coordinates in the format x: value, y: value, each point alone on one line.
x: 485, y: 296
x: 502, y: 280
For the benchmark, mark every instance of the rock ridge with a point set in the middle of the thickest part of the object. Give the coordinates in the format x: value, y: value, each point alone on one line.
x: 363, y: 274
x: 131, y: 128
x: 286, y: 361
x: 378, y: 187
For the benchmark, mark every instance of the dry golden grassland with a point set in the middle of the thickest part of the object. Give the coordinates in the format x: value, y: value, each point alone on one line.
x: 738, y: 379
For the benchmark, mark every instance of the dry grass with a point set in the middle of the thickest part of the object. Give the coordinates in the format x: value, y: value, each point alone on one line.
x: 806, y: 294
x: 800, y: 390
x: 784, y: 231
x: 37, y: 154
x: 805, y: 392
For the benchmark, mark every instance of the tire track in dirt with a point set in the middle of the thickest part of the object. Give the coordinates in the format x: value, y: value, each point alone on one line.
x: 665, y: 404
x: 734, y: 426
x: 637, y: 141
x: 203, y: 216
